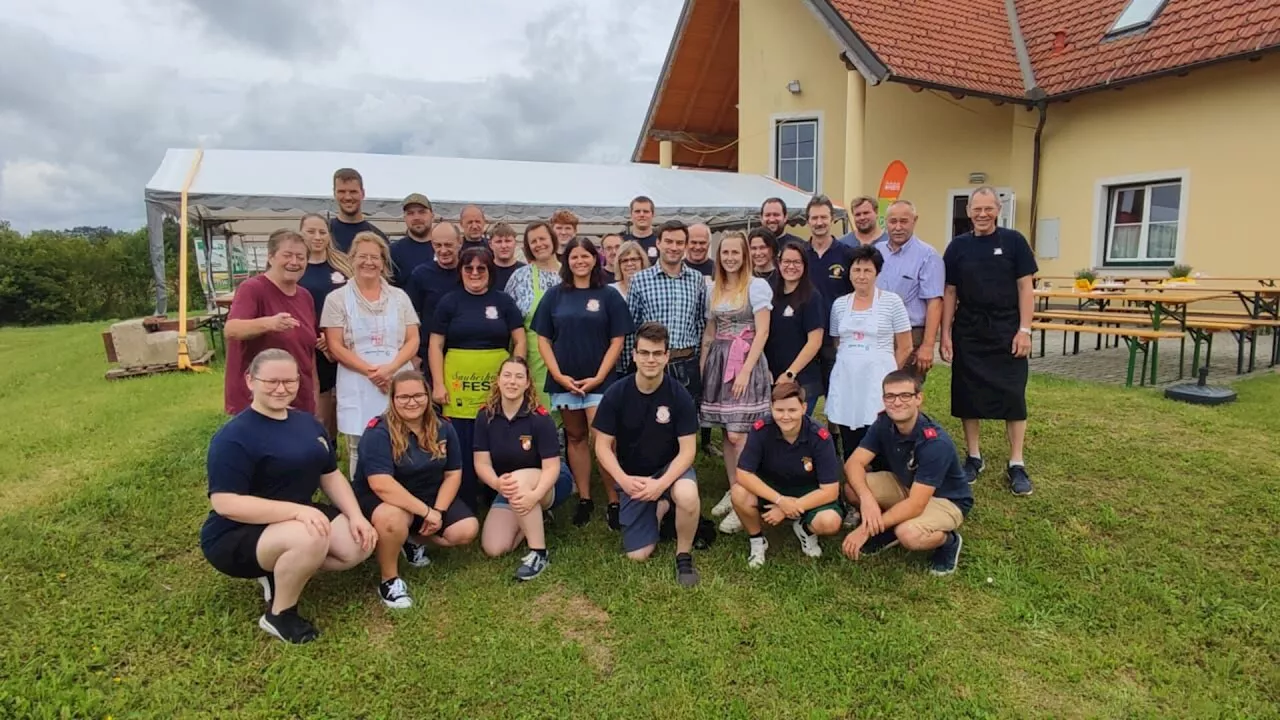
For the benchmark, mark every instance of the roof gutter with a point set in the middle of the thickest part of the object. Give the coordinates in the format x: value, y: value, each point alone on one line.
x: 856, y: 53
x: 1179, y: 70
x: 685, y: 13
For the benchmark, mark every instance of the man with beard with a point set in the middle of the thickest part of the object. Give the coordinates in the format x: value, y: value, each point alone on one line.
x: 696, y: 255
x: 414, y: 248
x: 348, y: 193
x: 773, y: 215
x: 866, y: 223
x: 473, y: 224
x: 986, y: 332
x: 641, y: 230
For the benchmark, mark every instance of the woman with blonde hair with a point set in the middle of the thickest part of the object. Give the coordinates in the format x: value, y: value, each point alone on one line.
x: 517, y: 454
x: 327, y: 270
x: 407, y: 484
x: 736, y: 385
x: 631, y: 259
x: 372, y: 332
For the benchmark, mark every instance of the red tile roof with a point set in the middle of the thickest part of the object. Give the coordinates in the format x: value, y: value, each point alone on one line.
x: 1185, y: 32
x: 966, y: 44
x: 956, y: 43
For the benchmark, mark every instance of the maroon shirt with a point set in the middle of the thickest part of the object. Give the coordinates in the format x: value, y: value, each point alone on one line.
x: 258, y: 297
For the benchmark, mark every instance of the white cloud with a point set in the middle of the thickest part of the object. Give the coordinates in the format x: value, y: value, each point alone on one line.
x: 91, y: 95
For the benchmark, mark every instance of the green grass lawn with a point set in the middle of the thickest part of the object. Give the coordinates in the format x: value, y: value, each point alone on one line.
x: 1140, y: 580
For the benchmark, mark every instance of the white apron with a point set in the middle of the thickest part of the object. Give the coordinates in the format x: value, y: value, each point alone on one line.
x: 854, y: 397
x: 374, y: 339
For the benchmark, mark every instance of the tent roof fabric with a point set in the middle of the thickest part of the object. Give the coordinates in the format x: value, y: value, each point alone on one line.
x: 239, y: 183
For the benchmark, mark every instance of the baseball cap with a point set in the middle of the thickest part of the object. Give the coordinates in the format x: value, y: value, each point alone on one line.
x: 416, y: 199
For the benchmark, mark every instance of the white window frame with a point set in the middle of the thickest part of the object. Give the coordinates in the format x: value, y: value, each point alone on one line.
x: 1102, y: 220
x: 1008, y: 208
x: 814, y: 116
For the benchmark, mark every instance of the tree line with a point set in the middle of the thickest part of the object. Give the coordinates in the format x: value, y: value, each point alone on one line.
x: 86, y: 274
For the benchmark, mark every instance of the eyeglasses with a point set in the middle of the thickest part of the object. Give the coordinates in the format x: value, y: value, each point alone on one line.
x: 289, y: 384
x: 650, y: 353
x: 475, y: 269
x: 899, y: 397
x: 415, y: 399
x: 791, y: 263
x: 628, y: 260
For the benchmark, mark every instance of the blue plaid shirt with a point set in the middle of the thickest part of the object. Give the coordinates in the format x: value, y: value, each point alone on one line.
x: 679, y: 303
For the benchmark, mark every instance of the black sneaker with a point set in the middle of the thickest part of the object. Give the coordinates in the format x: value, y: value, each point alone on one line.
x: 973, y: 467
x: 268, y: 583
x: 532, y: 565
x: 289, y: 626
x: 686, y: 573
x: 1019, y: 481
x: 885, y: 540
x: 582, y: 515
x: 613, y: 513
x: 416, y: 554
x: 945, y: 556
x: 395, y: 594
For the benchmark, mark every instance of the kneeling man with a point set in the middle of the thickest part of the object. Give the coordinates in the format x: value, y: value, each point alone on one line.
x: 924, y: 497
x: 790, y: 469
x: 646, y: 429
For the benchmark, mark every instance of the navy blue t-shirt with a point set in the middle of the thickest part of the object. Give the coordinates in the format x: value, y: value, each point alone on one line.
x: 789, y: 326
x: 406, y: 255
x: 647, y: 428
x: 580, y: 323
x: 320, y: 279
x: 263, y: 457
x: 706, y: 267
x: 648, y: 242
x: 344, y: 232
x: 1006, y: 251
x: 503, y: 274
x: 519, y: 443
x: 416, y: 470
x: 830, y: 274
x: 794, y: 469
x: 476, y: 322
x: 427, y: 285
x: 926, y: 456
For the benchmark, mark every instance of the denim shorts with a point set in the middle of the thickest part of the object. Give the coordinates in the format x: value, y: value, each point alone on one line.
x: 559, y: 492
x: 569, y: 401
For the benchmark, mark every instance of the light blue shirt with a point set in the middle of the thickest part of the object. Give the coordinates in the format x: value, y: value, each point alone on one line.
x: 914, y: 273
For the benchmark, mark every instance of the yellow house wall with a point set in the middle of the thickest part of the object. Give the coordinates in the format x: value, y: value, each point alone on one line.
x: 1218, y: 124
x: 942, y: 140
x: 781, y: 41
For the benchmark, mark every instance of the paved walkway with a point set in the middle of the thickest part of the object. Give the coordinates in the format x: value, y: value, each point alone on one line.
x: 1109, y: 365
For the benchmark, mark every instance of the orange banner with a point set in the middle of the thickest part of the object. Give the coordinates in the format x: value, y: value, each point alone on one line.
x: 891, y: 184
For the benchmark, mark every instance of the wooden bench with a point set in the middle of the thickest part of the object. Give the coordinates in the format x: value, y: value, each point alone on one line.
x: 1201, y: 328
x: 1138, y: 339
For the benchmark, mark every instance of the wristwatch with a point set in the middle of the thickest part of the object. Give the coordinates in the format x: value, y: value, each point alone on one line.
x: 789, y: 375
x: 1024, y: 330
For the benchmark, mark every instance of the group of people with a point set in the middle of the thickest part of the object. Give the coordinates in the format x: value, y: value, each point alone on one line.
x: 442, y: 361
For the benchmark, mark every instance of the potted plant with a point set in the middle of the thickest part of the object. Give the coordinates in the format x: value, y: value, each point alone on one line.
x: 1180, y: 274
x: 1085, y: 280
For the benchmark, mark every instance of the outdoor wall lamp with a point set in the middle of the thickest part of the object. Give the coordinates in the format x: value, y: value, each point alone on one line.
x: 794, y: 87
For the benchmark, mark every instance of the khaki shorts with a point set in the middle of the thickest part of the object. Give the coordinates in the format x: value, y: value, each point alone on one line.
x: 940, y: 515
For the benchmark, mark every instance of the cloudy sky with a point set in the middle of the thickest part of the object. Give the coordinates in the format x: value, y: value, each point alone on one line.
x: 92, y: 93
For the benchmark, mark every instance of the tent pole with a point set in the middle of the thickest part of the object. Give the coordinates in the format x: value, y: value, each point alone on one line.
x: 184, y: 355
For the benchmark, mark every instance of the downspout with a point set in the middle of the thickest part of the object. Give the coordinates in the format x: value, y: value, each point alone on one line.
x: 1043, y: 107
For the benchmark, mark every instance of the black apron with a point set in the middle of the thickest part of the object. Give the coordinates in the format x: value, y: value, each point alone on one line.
x: 987, y: 381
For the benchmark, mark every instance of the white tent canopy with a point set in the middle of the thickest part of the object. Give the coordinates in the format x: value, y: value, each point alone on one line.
x: 233, y: 184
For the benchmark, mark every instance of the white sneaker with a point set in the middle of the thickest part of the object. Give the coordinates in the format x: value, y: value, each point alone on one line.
x: 852, y: 518
x: 416, y: 554
x: 730, y: 524
x: 755, y: 553
x: 808, y: 541
x: 395, y: 594
x: 724, y: 507
x: 268, y: 583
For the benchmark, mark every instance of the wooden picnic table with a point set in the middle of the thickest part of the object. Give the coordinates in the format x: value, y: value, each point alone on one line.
x: 1160, y: 303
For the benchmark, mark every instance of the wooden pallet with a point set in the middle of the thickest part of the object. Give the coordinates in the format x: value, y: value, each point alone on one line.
x: 121, y: 373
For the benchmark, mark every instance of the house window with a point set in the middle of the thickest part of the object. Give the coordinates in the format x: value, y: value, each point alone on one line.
x: 796, y: 153
x: 1137, y: 14
x: 1142, y: 224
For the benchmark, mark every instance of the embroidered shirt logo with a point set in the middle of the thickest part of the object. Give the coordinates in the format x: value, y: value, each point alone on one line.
x: 593, y: 305
x: 491, y: 312
x: 663, y: 415
x: 526, y: 442
x: 788, y: 311
x: 337, y: 278
x: 807, y: 463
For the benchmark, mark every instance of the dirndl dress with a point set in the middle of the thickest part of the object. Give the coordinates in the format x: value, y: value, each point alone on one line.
x: 734, y: 333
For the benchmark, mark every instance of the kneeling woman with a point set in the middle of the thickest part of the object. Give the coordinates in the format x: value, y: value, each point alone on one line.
x: 517, y: 454
x: 264, y: 465
x: 789, y: 467
x: 407, y: 481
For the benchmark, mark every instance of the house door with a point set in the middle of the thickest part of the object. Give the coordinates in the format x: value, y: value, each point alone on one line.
x: 958, y: 214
